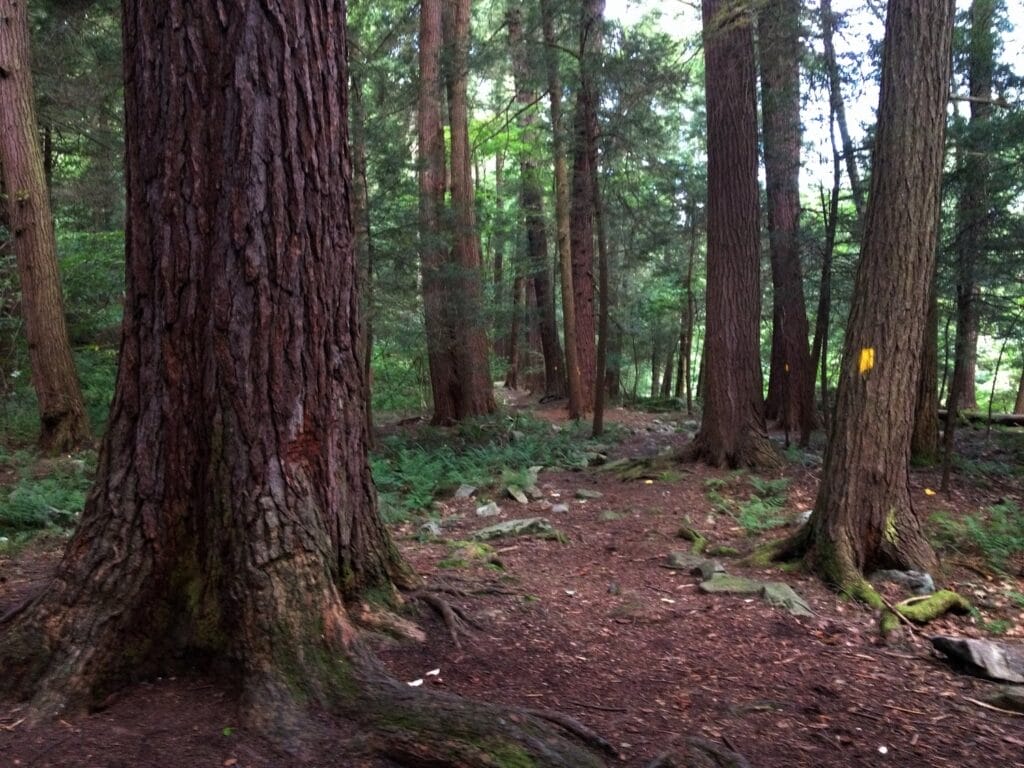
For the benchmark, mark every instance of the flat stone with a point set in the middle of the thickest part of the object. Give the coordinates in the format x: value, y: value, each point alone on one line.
x: 533, y: 492
x: 916, y: 581
x: 609, y: 516
x: 431, y: 529
x: 724, y: 584
x: 529, y: 526
x: 560, y: 509
x: 515, y: 492
x: 1009, y: 697
x: 586, y: 493
x: 783, y: 596
x: 707, y: 569
x: 683, y: 561
x: 488, y: 510
x: 1000, y: 661
x: 465, y: 492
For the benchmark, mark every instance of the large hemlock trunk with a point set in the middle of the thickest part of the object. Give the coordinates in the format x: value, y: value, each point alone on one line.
x: 864, y: 517
x: 732, y: 432
x: 233, y: 510
x: 63, y: 422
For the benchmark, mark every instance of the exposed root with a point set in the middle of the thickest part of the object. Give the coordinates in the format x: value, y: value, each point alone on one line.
x: 701, y: 754
x: 577, y: 729
x: 922, y: 610
x: 640, y: 469
x: 457, y: 621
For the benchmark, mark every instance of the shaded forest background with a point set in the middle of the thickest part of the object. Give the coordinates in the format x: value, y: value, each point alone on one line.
x: 650, y: 168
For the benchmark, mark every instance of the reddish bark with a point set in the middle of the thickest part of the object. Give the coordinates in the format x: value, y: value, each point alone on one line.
x: 63, y: 422
x: 790, y: 397
x: 733, y: 431
x: 582, y: 214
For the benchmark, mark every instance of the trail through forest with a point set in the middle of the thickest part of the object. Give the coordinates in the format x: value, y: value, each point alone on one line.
x: 593, y: 623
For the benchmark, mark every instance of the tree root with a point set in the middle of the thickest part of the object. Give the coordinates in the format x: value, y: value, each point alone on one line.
x: 921, y: 610
x: 640, y: 469
x: 577, y: 729
x: 455, y: 619
x: 701, y: 754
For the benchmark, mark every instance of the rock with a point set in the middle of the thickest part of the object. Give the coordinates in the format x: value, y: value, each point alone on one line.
x: 683, y: 561
x: 614, y: 588
x: 724, y: 584
x: 560, y: 509
x: 782, y: 595
x: 528, y: 526
x: 594, y: 459
x: 608, y: 516
x: 431, y: 529
x: 516, y: 436
x: 802, y: 518
x: 585, y: 493
x: 708, y: 569
x: 465, y: 492
x: 515, y: 492
x: 533, y: 492
x: 1000, y: 661
x: 917, y: 582
x: 488, y: 510
x: 1009, y: 697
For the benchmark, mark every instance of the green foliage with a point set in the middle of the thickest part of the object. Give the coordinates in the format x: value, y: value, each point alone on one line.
x: 996, y: 534
x: 761, y: 511
x: 414, y: 468
x: 47, y: 493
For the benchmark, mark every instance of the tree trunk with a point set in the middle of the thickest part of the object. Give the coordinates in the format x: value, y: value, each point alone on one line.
x: 864, y: 517
x: 63, y: 423
x: 498, y: 277
x: 363, y: 247
x: 1018, y: 406
x: 531, y: 198
x: 233, y: 508
x: 603, y: 293
x: 476, y: 396
x: 514, y: 343
x: 819, y: 349
x: 684, y: 379
x: 791, y: 379
x: 924, y: 443
x: 432, y: 241
x: 562, y: 215
x: 973, y: 207
x: 732, y: 431
x: 582, y: 213
x: 838, y: 108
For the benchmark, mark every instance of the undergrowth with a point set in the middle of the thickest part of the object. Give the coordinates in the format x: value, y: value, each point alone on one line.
x: 413, y: 468
x: 995, y: 534
x: 762, y: 510
x: 47, y: 494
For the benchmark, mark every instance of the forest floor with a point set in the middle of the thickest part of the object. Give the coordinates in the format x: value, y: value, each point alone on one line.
x: 595, y: 626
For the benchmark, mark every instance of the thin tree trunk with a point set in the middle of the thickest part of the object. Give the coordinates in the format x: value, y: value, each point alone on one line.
x: 686, y: 338
x: 791, y: 380
x: 819, y: 349
x: 582, y: 214
x: 432, y: 240
x: 531, y: 198
x: 562, y: 215
x: 1018, y: 406
x: 924, y: 443
x: 476, y: 396
x: 603, y: 279
x: 63, y: 423
x: 838, y: 108
x: 501, y: 318
x: 666, y: 380
x: 732, y: 431
x: 364, y: 248
x: 514, y: 355
x: 972, y: 210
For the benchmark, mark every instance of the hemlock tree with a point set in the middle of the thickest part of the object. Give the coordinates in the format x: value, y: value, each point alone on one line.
x: 732, y: 432
x: 790, y: 398
x: 863, y: 518
x: 582, y: 213
x: 233, y: 511
x: 63, y: 422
